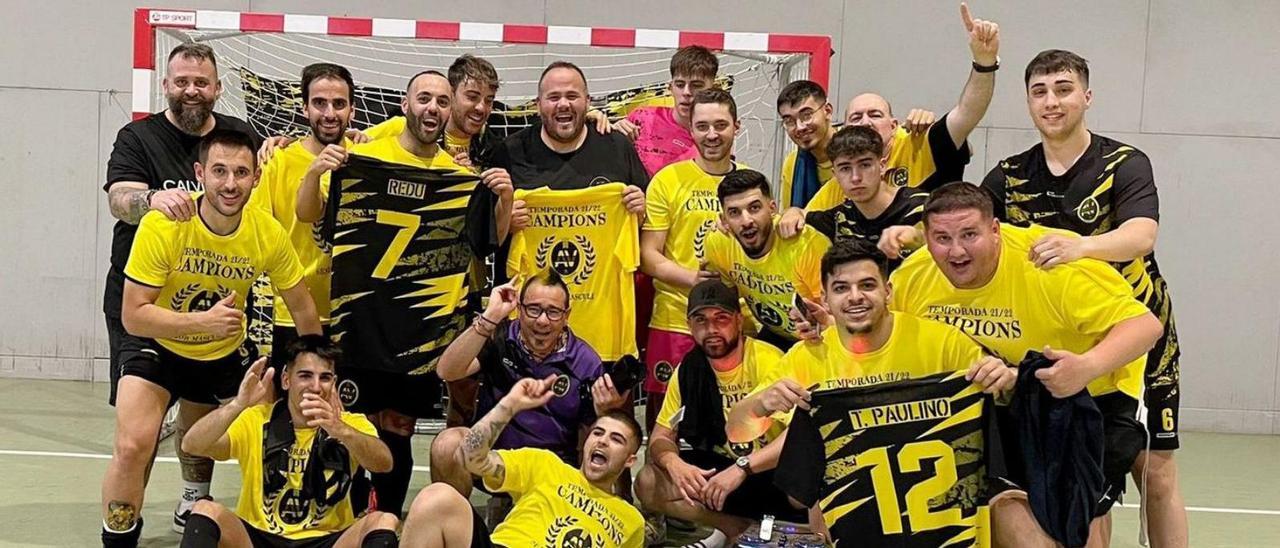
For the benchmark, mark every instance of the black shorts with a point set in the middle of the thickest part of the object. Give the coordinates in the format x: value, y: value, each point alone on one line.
x: 370, y: 391
x: 117, y: 339
x: 756, y: 497
x: 1161, y: 395
x: 262, y: 539
x: 208, y: 382
x: 1125, y: 437
x: 479, y: 533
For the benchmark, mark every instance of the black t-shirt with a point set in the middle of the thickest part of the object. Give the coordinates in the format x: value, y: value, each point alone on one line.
x: 601, y: 159
x: 1111, y: 183
x: 846, y: 223
x: 152, y: 151
x: 897, y: 464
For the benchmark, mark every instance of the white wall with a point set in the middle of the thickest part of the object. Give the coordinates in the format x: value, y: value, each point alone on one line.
x: 1187, y: 81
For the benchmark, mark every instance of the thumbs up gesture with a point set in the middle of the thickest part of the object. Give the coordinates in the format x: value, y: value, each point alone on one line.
x: 223, y: 320
x: 984, y: 37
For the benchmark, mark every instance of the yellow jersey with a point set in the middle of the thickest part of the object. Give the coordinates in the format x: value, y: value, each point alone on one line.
x: 194, y: 268
x: 588, y: 237
x: 925, y: 161
x: 555, y: 505
x: 767, y: 283
x: 277, y: 193
x: 282, y: 512
x: 681, y: 200
x: 1068, y: 307
x: 759, y: 361
x: 916, y: 348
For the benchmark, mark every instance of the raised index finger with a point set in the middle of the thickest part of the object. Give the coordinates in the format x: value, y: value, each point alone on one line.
x: 965, y: 16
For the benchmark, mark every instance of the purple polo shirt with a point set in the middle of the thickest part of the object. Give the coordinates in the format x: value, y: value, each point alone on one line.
x: 554, y: 427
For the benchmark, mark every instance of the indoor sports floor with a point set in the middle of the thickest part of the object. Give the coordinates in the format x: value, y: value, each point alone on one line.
x: 55, y: 437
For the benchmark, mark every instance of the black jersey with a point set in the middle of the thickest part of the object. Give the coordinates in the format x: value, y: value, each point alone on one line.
x: 1111, y: 183
x: 404, y: 239
x: 845, y: 222
x: 903, y: 464
x: 155, y: 152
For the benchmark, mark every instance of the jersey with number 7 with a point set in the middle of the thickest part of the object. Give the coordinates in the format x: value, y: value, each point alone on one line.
x: 405, y: 233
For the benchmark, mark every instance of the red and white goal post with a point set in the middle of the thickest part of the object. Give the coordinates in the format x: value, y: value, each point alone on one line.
x: 261, y: 55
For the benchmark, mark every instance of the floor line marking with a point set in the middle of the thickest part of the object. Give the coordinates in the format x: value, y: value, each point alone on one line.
x: 100, y: 456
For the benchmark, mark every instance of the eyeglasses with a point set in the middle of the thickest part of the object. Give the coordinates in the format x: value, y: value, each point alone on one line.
x: 804, y: 116
x: 533, y: 311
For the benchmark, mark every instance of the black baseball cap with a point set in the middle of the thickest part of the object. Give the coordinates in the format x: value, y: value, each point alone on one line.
x: 713, y: 293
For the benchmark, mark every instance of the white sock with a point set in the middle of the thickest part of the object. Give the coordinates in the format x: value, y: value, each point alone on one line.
x: 191, y: 492
x: 716, y: 539
x: 129, y: 530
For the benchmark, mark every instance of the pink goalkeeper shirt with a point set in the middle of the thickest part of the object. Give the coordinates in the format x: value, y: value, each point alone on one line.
x: 661, y: 140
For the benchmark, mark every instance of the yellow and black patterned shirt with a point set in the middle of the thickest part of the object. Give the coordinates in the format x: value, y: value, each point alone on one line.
x: 902, y: 464
x: 404, y: 232
x: 1111, y: 183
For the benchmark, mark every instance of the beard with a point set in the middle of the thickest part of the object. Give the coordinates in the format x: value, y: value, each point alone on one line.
x: 720, y: 350
x: 764, y: 233
x: 328, y: 139
x: 420, y: 133
x: 190, y: 118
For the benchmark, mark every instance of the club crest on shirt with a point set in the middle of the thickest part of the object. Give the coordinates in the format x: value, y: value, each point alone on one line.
x: 1088, y: 210
x: 573, y: 258
x: 348, y: 392
x: 897, y: 177
x: 599, y: 180
x: 663, y: 371
x: 564, y: 533
x: 765, y: 313
x: 195, y: 298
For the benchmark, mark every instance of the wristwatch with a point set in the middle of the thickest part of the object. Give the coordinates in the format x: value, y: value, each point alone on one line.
x: 987, y: 68
x: 744, y: 464
x: 150, y: 193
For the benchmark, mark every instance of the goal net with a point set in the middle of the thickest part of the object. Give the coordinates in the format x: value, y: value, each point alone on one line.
x: 261, y: 56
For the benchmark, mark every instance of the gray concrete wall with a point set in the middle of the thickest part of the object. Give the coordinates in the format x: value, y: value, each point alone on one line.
x: 1188, y: 81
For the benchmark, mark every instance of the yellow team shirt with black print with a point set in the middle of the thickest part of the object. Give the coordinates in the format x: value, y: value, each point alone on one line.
x: 588, y: 237
x: 681, y: 200
x: 283, y: 512
x: 1069, y: 307
x: 759, y: 361
x: 916, y: 348
x: 555, y: 505
x: 277, y: 193
x: 194, y: 269
x: 769, y: 282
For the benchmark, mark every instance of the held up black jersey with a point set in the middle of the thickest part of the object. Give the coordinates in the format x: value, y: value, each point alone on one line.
x: 403, y: 239
x: 904, y: 464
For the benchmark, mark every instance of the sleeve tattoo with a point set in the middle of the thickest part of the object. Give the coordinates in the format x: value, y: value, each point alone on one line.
x: 128, y: 204
x: 477, y: 444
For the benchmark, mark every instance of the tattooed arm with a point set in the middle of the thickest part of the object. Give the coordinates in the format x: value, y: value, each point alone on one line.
x: 477, y: 444
x: 128, y: 201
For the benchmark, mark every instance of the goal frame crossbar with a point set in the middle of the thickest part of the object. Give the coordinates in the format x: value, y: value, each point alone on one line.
x: 147, y: 21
